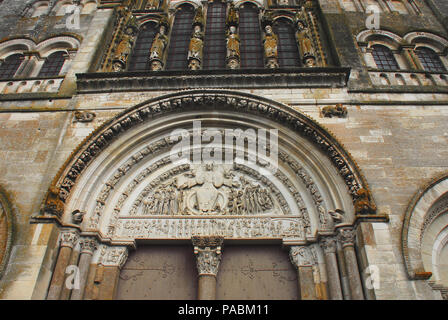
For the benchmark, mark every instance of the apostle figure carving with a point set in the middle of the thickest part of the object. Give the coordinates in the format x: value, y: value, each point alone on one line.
x: 158, y: 49
x: 233, y: 48
x: 195, y: 49
x: 270, y: 47
x: 123, y: 50
x: 305, y: 45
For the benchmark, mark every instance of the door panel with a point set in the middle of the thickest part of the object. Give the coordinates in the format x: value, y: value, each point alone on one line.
x: 159, y: 272
x: 256, y: 272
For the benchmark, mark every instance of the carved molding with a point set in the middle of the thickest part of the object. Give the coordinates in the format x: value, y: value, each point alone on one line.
x: 208, y: 254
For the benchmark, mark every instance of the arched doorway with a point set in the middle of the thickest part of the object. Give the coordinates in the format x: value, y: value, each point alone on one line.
x: 210, y: 170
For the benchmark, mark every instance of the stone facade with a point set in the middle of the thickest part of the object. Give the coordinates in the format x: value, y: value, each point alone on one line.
x: 391, y: 137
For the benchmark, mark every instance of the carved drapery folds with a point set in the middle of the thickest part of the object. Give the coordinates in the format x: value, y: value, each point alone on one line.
x: 270, y: 42
x: 233, y: 39
x: 196, y: 46
x: 156, y: 56
x: 208, y: 254
x: 124, y: 47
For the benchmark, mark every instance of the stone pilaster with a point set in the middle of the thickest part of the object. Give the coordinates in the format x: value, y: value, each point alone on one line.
x: 302, y: 258
x: 208, y: 257
x: 328, y: 245
x: 346, y: 236
x: 87, y: 245
x: 68, y: 239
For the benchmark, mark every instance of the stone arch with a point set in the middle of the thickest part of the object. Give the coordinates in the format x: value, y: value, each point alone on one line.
x: 13, y: 46
x: 384, y: 37
x: 6, y: 230
x: 258, y: 4
x: 61, y: 43
x: 423, y: 225
x: 309, y: 130
x: 175, y: 5
x: 433, y: 41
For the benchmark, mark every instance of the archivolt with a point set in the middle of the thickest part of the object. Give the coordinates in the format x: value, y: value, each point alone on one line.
x: 211, y: 102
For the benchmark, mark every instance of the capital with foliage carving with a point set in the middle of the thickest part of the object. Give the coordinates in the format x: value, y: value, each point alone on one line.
x: 208, y: 254
x: 347, y: 236
x: 69, y: 238
x: 328, y: 244
x: 88, y: 245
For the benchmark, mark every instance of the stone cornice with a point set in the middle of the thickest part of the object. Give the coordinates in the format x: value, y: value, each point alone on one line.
x: 238, y: 79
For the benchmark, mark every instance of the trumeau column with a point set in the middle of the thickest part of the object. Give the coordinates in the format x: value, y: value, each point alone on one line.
x: 68, y: 240
x: 208, y: 256
x: 347, y: 239
x: 328, y: 245
x: 302, y: 258
x: 87, y: 245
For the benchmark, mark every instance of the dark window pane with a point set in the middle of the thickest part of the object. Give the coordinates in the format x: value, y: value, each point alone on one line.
x: 52, y: 65
x: 430, y: 60
x: 215, y: 42
x: 139, y: 60
x: 288, y: 52
x: 250, y: 37
x: 10, y: 66
x: 384, y: 58
x: 180, y: 38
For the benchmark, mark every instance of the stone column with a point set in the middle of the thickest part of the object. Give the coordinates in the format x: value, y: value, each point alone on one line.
x: 88, y: 246
x: 68, y: 240
x: 302, y: 258
x: 328, y: 244
x: 343, y: 273
x: 347, y: 239
x: 66, y: 291
x: 208, y: 256
x: 411, y: 58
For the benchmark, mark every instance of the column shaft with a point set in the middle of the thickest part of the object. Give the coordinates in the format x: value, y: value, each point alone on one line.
x: 353, y: 273
x: 57, y: 281
x: 207, y: 287
x: 344, y: 277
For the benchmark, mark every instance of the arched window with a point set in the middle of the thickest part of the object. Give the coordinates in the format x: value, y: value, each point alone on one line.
x: 288, y: 52
x: 384, y: 58
x: 53, y: 64
x: 10, y: 66
x: 180, y: 38
x: 215, y: 42
x: 250, y: 37
x: 139, y: 60
x: 430, y: 60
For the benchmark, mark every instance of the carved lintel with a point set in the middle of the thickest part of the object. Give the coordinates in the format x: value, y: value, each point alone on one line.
x: 328, y: 244
x: 88, y: 245
x: 69, y: 238
x: 208, y: 254
x: 301, y: 256
x: 114, y: 256
x: 346, y: 236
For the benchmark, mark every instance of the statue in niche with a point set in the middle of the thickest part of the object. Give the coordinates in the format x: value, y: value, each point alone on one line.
x: 305, y: 44
x: 270, y: 47
x: 158, y: 49
x: 152, y: 4
x: 195, y: 48
x: 233, y: 48
x: 123, y: 50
